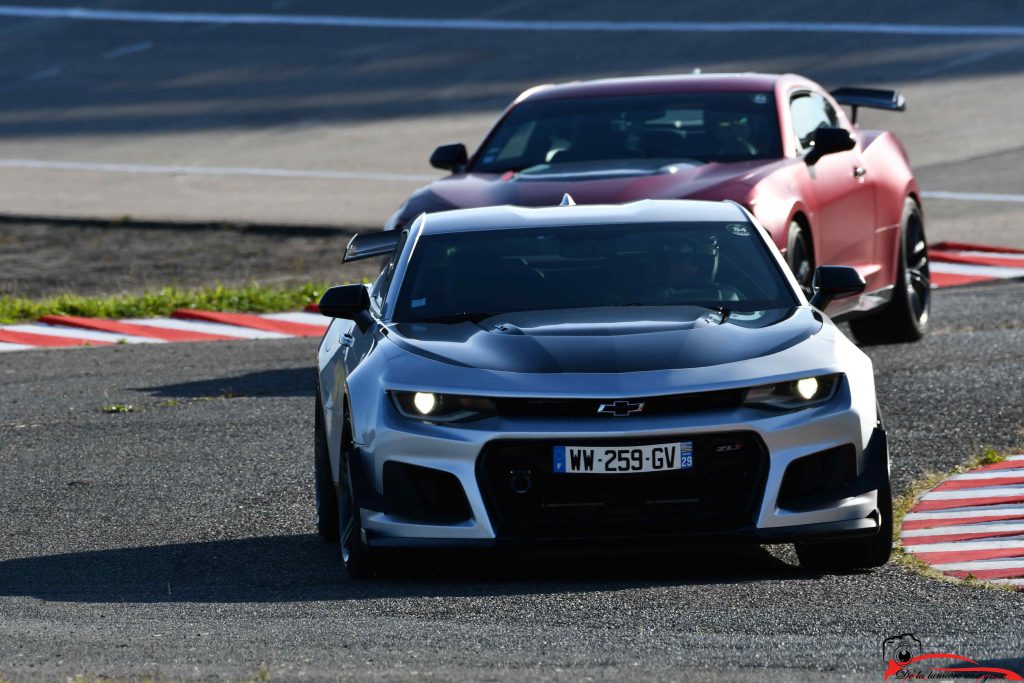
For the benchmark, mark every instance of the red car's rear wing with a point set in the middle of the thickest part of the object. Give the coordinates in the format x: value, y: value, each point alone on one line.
x: 890, y: 100
x: 370, y: 244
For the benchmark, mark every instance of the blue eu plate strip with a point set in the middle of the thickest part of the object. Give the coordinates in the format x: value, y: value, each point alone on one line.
x: 559, y: 459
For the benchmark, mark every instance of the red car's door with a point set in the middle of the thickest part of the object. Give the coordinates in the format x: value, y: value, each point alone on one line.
x: 838, y: 190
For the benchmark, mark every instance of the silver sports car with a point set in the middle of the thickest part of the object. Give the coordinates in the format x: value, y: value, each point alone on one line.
x: 647, y: 373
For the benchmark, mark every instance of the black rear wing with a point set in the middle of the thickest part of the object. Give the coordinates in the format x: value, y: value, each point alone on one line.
x: 371, y: 244
x: 890, y: 100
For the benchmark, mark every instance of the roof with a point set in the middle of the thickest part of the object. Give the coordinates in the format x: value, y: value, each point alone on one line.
x: 651, y: 85
x: 643, y: 211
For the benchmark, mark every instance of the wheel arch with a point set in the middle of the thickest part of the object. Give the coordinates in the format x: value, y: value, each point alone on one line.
x: 344, y: 423
x: 915, y: 194
x: 799, y: 216
x: 894, y: 255
x: 335, y: 423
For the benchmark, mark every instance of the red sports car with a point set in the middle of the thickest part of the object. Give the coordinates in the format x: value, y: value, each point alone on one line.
x: 827, y: 191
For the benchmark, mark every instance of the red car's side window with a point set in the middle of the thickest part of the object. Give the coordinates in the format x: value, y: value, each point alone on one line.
x: 810, y: 111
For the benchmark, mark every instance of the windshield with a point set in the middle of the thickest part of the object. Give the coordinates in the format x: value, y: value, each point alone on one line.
x: 682, y: 126
x: 470, y: 275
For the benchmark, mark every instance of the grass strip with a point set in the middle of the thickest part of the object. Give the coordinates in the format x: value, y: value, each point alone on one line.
x: 906, y: 502
x: 254, y: 298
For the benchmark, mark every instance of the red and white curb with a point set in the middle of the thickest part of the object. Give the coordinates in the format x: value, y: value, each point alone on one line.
x: 958, y: 263
x: 184, y: 325
x: 972, y: 524
x: 951, y: 264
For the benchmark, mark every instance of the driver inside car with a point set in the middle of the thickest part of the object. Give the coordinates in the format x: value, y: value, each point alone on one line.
x: 688, y: 270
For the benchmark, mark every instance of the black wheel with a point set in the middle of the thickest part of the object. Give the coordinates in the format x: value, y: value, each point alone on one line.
x: 905, y: 317
x: 354, y: 552
x: 856, y: 553
x: 800, y: 256
x: 326, y: 499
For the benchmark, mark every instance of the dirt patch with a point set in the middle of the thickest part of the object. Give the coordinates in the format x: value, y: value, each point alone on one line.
x: 40, y: 259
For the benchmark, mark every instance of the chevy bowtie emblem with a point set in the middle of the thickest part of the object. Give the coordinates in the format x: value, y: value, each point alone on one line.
x: 621, y: 408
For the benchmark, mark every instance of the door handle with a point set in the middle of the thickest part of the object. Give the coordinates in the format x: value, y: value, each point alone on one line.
x: 859, y: 171
x: 347, y: 340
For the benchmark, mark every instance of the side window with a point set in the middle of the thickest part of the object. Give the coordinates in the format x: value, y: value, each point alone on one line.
x: 379, y: 290
x: 810, y: 112
x: 512, y: 145
x: 517, y: 143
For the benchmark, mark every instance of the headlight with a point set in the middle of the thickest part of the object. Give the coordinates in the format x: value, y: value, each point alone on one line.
x: 431, y: 407
x: 799, y: 393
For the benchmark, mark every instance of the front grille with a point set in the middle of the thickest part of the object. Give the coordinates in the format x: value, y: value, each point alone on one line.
x: 526, y: 499
x: 654, y: 405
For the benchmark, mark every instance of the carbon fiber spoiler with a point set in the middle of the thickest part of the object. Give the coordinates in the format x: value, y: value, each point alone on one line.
x: 890, y: 100
x: 371, y: 244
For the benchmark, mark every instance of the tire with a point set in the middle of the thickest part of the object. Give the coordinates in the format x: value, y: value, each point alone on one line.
x: 905, y: 317
x: 326, y: 500
x: 856, y: 553
x: 359, y: 561
x: 800, y: 256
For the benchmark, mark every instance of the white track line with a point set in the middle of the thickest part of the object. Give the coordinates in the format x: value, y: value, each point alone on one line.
x: 964, y: 546
x: 208, y: 328
x: 967, y: 494
x: 79, y: 333
x: 984, y: 254
x: 1000, y: 272
x: 96, y: 167
x: 973, y: 196
x: 43, y: 164
x: 128, y: 50
x: 1007, y: 582
x: 980, y: 564
x: 343, y: 21
x: 303, y: 317
x: 982, y: 528
x: 989, y: 474
x: 967, y: 513
x: 961, y: 61
x: 46, y: 73
x: 7, y: 346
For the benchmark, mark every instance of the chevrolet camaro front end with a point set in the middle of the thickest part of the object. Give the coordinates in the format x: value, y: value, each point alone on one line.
x: 648, y: 373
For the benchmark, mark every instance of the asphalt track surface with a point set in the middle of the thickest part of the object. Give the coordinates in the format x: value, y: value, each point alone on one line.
x: 315, y: 124
x: 178, y: 541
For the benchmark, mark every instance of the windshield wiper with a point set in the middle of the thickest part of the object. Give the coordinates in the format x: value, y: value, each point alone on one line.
x: 464, y: 316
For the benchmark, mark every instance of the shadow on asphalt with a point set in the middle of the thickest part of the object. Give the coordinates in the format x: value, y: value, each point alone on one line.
x: 285, y: 382
x: 301, y: 568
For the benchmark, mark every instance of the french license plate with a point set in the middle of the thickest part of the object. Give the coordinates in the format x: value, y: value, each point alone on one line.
x: 622, y: 459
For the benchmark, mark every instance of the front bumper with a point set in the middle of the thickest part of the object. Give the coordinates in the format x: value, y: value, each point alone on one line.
x: 828, y: 531
x: 843, y: 509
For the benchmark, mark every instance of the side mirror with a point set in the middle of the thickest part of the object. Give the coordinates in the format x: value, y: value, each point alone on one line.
x: 451, y: 157
x: 835, y: 282
x: 346, y: 301
x: 828, y: 141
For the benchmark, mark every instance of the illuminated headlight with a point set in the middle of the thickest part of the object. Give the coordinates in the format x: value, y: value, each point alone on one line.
x: 806, y: 388
x: 799, y: 393
x: 431, y: 407
x: 424, y: 402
